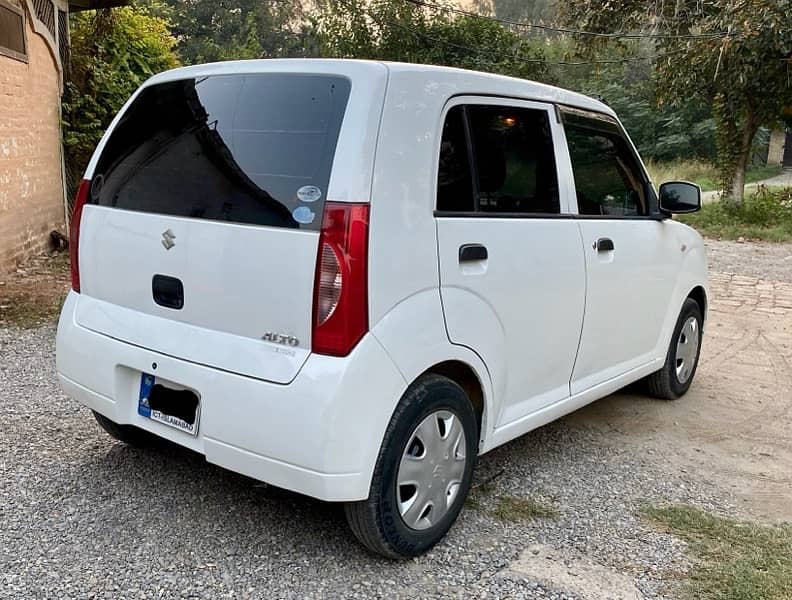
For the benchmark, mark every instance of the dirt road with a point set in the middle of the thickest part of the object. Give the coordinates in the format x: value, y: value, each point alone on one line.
x: 783, y: 179
x: 735, y: 424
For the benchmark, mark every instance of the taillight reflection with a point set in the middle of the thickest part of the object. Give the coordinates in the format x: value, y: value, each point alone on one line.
x: 329, y: 285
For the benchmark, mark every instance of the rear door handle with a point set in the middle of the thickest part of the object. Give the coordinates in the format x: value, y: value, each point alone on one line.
x: 472, y: 253
x: 604, y: 245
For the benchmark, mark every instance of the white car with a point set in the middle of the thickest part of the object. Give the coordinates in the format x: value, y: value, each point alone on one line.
x: 349, y: 279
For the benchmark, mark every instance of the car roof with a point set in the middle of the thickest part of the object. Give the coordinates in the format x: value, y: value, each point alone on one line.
x: 480, y: 83
x: 455, y: 81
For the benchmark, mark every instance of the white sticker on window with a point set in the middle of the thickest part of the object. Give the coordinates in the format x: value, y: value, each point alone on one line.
x: 304, y: 215
x: 309, y: 193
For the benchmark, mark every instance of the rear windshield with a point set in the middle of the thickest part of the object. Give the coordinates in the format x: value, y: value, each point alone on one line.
x: 254, y: 149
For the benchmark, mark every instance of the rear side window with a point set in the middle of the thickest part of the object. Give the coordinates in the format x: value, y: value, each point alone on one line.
x: 608, y: 178
x: 513, y: 161
x: 254, y: 149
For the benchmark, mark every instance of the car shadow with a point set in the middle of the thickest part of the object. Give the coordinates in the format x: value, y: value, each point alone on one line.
x: 174, y: 490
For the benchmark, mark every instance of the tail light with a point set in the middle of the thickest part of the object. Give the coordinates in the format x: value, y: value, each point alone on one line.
x: 340, y: 317
x: 74, y: 232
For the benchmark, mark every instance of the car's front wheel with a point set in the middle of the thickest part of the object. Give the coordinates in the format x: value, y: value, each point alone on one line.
x: 423, y: 471
x: 674, y: 379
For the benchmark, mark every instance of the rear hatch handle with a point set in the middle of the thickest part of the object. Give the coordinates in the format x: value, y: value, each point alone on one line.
x: 168, y: 291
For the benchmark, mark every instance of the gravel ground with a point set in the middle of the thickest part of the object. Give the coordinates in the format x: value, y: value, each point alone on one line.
x: 83, y: 516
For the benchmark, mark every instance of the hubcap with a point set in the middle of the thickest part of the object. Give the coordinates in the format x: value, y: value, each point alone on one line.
x: 687, y: 349
x: 431, y: 470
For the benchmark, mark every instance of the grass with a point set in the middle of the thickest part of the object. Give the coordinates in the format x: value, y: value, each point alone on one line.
x: 516, y: 510
x: 28, y: 311
x: 754, y: 174
x: 766, y: 214
x: 702, y: 173
x: 508, y: 508
x: 734, y: 560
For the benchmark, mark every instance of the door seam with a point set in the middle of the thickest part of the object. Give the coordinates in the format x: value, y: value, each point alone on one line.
x: 585, y: 306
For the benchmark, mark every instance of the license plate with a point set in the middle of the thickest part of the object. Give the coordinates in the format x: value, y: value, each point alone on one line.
x: 179, y: 409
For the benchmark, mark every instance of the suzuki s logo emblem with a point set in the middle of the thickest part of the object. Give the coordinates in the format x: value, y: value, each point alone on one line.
x: 167, y: 239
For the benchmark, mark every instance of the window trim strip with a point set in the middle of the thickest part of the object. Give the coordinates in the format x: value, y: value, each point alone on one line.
x: 450, y: 214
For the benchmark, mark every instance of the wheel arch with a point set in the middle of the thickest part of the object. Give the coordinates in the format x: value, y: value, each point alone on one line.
x: 465, y: 376
x: 413, y: 334
x: 699, y: 294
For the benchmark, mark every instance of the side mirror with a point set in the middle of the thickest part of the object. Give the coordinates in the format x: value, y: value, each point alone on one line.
x: 678, y: 197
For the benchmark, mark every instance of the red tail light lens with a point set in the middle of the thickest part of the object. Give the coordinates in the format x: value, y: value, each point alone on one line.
x: 341, y: 288
x: 83, y: 193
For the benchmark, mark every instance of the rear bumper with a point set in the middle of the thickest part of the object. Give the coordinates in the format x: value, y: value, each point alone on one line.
x: 320, y: 435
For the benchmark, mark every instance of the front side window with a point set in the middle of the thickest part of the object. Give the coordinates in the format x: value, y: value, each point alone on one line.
x: 514, y: 169
x: 608, y: 178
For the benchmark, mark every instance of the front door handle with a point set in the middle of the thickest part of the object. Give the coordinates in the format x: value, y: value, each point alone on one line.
x: 472, y: 253
x: 604, y: 245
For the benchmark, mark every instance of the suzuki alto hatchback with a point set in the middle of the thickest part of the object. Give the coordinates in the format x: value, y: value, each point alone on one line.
x: 349, y: 279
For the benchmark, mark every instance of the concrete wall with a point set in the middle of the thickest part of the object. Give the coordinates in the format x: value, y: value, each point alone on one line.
x: 31, y: 183
x: 775, y: 153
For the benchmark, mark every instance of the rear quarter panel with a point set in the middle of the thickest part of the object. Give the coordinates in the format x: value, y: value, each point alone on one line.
x: 405, y: 309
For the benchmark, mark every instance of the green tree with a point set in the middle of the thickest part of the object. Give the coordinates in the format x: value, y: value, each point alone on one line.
x: 211, y: 31
x: 113, y: 51
x: 661, y: 131
x: 519, y: 10
x: 400, y: 31
x: 733, y: 54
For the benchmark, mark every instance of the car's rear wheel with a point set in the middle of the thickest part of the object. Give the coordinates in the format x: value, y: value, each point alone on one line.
x: 423, y: 471
x: 676, y: 376
x: 129, y: 434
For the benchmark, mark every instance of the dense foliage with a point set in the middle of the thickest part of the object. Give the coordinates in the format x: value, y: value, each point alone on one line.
x: 112, y: 53
x: 734, y: 54
x: 400, y: 31
x: 766, y: 214
x: 661, y: 131
x: 675, y: 95
x: 209, y: 31
x: 519, y: 10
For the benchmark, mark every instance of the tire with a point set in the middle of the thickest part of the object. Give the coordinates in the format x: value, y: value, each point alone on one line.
x: 668, y: 383
x: 129, y: 434
x: 377, y: 521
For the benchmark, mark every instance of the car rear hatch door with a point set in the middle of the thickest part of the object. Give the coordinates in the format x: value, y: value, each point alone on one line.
x: 199, y: 240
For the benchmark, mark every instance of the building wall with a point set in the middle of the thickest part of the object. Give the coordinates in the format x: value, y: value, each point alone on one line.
x: 31, y: 183
x: 775, y: 153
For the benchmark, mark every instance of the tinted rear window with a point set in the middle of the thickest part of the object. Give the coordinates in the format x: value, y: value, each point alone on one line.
x: 254, y: 149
